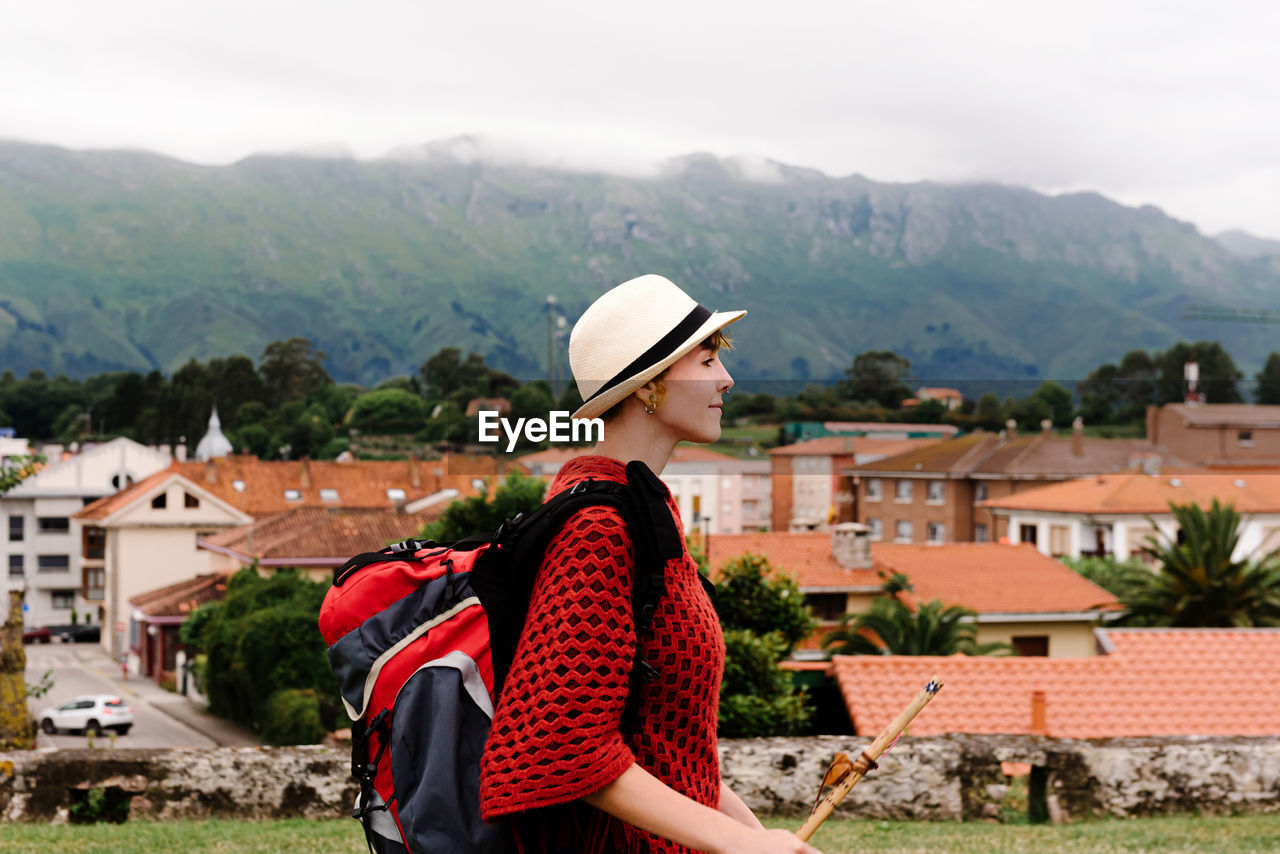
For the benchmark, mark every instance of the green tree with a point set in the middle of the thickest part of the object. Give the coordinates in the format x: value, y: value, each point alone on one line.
x: 1268, y: 390
x: 388, y: 410
x: 516, y: 494
x: 261, y: 639
x: 880, y: 376
x: 1058, y: 400
x: 17, y: 469
x: 1218, y: 373
x: 292, y: 369
x: 891, y: 627
x: 764, y: 616
x: 989, y: 412
x: 1200, y: 583
x: 1101, y: 394
x: 446, y: 374
x: 1116, y: 577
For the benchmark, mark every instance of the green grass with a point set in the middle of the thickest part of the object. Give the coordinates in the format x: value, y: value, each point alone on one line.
x: 1180, y: 834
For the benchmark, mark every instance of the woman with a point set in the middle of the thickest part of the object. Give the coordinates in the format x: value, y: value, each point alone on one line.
x: 646, y: 359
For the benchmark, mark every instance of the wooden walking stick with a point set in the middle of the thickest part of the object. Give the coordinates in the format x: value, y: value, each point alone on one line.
x: 855, y: 771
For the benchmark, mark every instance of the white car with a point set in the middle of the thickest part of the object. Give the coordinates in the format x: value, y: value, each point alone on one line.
x: 93, y: 714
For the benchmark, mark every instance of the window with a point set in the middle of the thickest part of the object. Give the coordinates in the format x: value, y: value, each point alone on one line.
x: 93, y: 543
x: 937, y: 532
x: 237, y: 485
x: 160, y: 502
x: 1027, y: 534
x: 15, y: 529
x: 903, y: 491
x: 52, y: 563
x: 329, y: 496
x: 95, y: 579
x: 827, y: 607
x: 902, y: 531
x: 190, y: 501
x: 53, y: 524
x: 873, y: 489
x: 1059, y: 540
x: 1245, y: 438
x: 935, y: 492
x: 875, y: 530
x: 1031, y: 645
x: 15, y: 566
x: 63, y: 598
x: 980, y: 534
x: 726, y: 482
x: 394, y: 494
x: 293, y: 495
x: 980, y: 492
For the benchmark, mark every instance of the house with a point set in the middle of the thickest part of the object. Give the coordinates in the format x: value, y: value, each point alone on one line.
x: 45, y: 551
x: 935, y: 494
x: 1022, y: 598
x: 476, y: 405
x: 1112, y: 514
x: 1217, y: 434
x: 951, y: 398
x: 809, y: 493
x: 159, y: 615
x: 314, y: 540
x: 151, y: 530
x: 734, y: 494
x: 1144, y: 682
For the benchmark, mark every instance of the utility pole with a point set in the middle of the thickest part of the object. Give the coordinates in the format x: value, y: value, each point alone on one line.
x: 551, y: 344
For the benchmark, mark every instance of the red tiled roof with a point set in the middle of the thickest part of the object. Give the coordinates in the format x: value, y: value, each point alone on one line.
x: 314, y: 536
x: 1251, y: 491
x: 888, y: 427
x: 990, y: 578
x: 981, y: 453
x: 359, y: 483
x: 179, y: 600
x: 1152, y: 682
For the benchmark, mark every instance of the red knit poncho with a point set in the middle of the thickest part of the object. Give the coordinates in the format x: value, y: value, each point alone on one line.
x: 555, y: 734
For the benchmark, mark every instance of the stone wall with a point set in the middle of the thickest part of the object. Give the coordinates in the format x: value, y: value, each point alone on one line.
x: 940, y: 778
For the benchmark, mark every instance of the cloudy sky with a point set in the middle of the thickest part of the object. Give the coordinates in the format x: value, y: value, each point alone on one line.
x: 1169, y: 103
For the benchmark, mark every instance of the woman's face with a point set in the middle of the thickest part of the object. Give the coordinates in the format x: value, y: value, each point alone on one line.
x: 695, y: 387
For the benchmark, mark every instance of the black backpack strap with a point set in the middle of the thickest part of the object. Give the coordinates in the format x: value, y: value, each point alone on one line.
x: 657, y: 541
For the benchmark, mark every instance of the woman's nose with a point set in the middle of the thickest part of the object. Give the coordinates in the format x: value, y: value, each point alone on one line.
x: 726, y: 382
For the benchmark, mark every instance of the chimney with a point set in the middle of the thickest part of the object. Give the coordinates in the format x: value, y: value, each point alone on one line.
x: 851, y: 545
x: 1153, y: 424
x: 1039, y: 713
x: 180, y: 450
x: 304, y: 472
x: 415, y: 479
x: 210, y: 471
x: 1011, y: 429
x: 1046, y: 427
x: 1077, y: 437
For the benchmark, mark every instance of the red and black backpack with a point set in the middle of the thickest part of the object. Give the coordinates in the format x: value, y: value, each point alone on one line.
x: 421, y: 636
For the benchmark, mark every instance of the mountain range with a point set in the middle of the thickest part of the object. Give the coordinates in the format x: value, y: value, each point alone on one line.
x: 114, y: 260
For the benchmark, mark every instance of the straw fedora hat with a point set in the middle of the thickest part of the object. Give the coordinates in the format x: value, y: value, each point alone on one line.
x: 633, y: 333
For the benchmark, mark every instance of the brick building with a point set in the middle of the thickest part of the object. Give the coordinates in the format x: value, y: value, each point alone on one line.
x: 1217, y: 434
x: 934, y: 494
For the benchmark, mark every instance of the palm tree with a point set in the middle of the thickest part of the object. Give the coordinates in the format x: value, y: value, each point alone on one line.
x: 1199, y: 583
x: 934, y: 629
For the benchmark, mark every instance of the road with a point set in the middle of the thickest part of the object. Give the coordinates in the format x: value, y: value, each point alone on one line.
x: 86, y: 669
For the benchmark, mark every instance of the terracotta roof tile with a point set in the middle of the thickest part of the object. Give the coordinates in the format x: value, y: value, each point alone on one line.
x: 315, y: 536
x: 848, y: 446
x: 1251, y: 491
x: 179, y: 600
x: 1227, y: 414
x: 873, y: 427
x: 258, y: 487
x: 982, y: 453
x: 990, y: 578
x: 1152, y: 682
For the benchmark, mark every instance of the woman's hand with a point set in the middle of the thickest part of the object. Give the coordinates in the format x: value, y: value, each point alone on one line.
x: 639, y: 798
x: 766, y: 842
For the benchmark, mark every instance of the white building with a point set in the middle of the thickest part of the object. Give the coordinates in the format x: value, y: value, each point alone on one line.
x: 44, y: 550
x: 1113, y: 514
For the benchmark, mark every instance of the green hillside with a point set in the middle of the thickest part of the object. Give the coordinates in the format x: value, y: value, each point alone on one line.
x: 119, y: 260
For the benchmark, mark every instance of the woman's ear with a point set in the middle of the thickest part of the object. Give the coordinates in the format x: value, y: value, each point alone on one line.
x: 647, y: 392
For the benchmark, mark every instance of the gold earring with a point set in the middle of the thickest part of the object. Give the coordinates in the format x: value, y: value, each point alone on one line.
x: 652, y: 406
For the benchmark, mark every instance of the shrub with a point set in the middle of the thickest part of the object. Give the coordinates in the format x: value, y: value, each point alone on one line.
x: 292, y: 716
